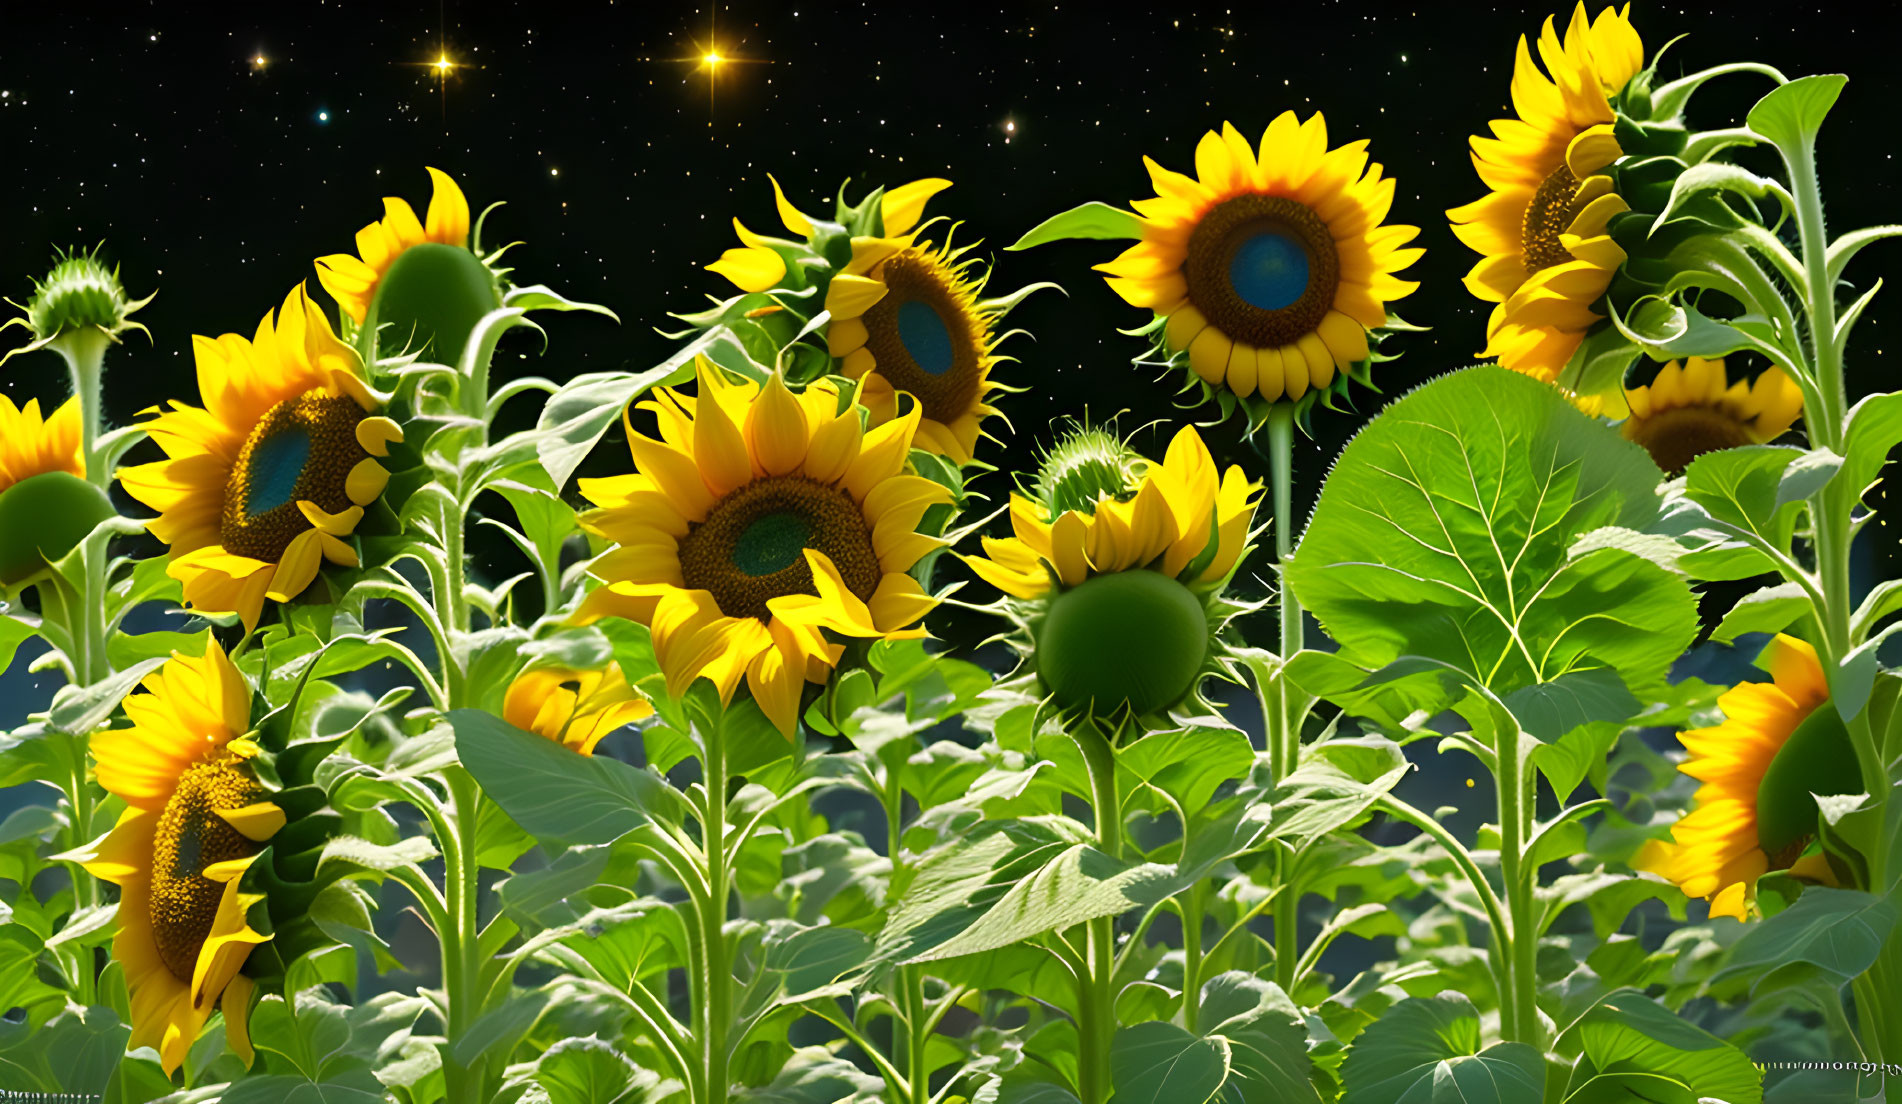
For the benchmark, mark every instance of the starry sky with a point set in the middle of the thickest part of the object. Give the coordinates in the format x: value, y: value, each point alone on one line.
x: 217, y: 153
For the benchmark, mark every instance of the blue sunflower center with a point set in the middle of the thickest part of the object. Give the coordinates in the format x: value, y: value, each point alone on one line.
x: 926, y: 337
x: 772, y: 542
x: 1269, y: 270
x: 190, y: 836
x: 276, y: 464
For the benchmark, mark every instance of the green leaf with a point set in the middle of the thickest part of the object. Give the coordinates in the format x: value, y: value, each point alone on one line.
x: 1632, y: 1088
x: 1426, y: 1049
x: 1771, y: 609
x: 542, y: 297
x: 1712, y: 176
x: 1791, y: 114
x: 1743, y: 488
x: 1091, y: 220
x: 1078, y: 883
x: 815, y: 1076
x: 13, y: 633
x: 1837, y: 931
x: 576, y: 416
x: 1875, y: 428
x: 1550, y: 710
x: 1632, y: 1031
x: 80, y: 710
x: 1160, y: 1063
x: 589, y: 1071
x: 553, y: 792
x: 1444, y: 531
x: 1843, y: 249
x: 1667, y: 329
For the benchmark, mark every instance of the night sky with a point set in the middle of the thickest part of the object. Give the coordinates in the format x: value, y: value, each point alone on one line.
x: 218, y: 154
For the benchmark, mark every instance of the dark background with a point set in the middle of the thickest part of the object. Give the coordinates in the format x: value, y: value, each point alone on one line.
x: 217, y: 180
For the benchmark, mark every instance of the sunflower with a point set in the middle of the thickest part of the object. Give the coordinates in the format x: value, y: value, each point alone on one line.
x: 352, y: 280
x: 1541, y: 230
x: 30, y: 445
x: 757, y: 519
x: 905, y: 315
x: 196, y: 819
x: 1120, y: 565
x: 266, y: 479
x: 573, y: 708
x: 1759, y: 768
x: 1269, y: 265
x: 1693, y: 408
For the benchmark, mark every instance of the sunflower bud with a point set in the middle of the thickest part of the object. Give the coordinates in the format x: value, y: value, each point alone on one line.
x: 431, y: 299
x: 1087, y: 465
x: 79, y: 295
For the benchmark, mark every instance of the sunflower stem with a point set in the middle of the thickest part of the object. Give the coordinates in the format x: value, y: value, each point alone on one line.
x: 461, y: 943
x: 1519, y: 1018
x: 1096, y: 992
x: 1284, y: 728
x: 911, y: 982
x: 716, y: 981
x: 83, y: 348
x: 1831, y: 508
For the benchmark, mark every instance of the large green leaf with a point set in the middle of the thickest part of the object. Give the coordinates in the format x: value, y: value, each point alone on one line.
x: 1633, y: 1032
x: 548, y: 789
x: 1090, y: 220
x: 1791, y: 114
x: 1837, y: 931
x: 1160, y: 1063
x: 1078, y: 883
x: 13, y: 633
x: 589, y: 1071
x: 1425, y: 1050
x: 1444, y: 531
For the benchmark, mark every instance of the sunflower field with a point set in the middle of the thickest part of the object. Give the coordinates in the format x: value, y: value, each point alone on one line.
x: 694, y: 805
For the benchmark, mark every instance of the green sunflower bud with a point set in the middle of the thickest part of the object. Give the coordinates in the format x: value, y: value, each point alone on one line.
x: 432, y: 298
x: 1087, y: 465
x: 80, y: 293
x: 1816, y: 759
x: 44, y: 517
x: 1134, y: 638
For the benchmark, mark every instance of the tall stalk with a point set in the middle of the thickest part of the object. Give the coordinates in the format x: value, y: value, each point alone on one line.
x: 1283, y: 726
x: 716, y: 973
x: 1519, y: 1009
x: 84, y: 350
x: 1096, y: 994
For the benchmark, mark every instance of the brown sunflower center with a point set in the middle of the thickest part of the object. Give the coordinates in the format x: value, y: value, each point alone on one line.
x: 1547, y: 216
x: 751, y: 548
x: 1674, y: 438
x: 1262, y: 269
x: 302, y: 450
x: 192, y: 836
x: 926, y: 337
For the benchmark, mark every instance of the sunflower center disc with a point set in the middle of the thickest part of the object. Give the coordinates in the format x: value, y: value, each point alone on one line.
x: 773, y: 542
x: 1674, y: 438
x: 190, y: 837
x: 302, y: 450
x: 1262, y: 269
x: 1269, y: 271
x: 1548, y: 216
x: 750, y: 549
x: 1134, y: 638
x: 926, y: 336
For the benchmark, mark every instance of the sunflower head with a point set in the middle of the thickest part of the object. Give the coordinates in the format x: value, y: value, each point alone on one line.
x: 208, y: 829
x: 420, y: 278
x: 272, y: 474
x: 1120, y: 597
x: 1268, y: 271
x: 81, y: 295
x: 46, y: 505
x: 906, y: 314
x: 761, y: 530
x: 1692, y: 408
x: 1578, y: 182
x: 1754, y: 811
x: 573, y: 708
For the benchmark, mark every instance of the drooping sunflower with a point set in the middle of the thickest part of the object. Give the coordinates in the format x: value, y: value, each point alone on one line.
x: 1693, y: 408
x: 1541, y: 229
x: 573, y: 708
x: 757, y: 519
x: 266, y: 480
x: 1119, y: 566
x: 1759, y: 768
x: 352, y: 280
x: 906, y: 314
x: 196, y: 819
x: 1267, y: 268
x: 46, y: 505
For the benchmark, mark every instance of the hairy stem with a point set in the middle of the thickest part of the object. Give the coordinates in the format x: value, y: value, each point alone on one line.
x: 717, y: 973
x: 84, y: 350
x: 1096, y: 995
x: 1519, y: 1018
